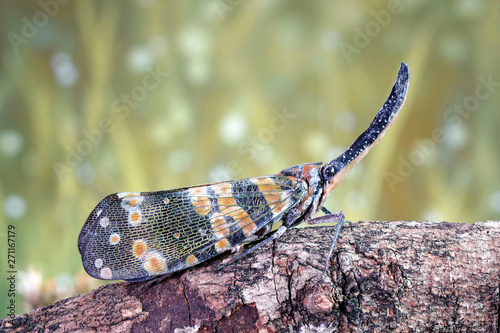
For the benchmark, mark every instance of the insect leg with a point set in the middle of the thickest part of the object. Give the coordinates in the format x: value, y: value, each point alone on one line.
x: 327, y: 212
x: 338, y: 217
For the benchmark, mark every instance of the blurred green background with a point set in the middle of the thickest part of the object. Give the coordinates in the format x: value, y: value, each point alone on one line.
x: 145, y: 95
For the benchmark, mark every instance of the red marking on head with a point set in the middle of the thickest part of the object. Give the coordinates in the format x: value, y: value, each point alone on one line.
x: 310, y: 171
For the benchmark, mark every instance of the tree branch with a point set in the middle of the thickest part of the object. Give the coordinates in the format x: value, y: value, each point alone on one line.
x: 403, y: 276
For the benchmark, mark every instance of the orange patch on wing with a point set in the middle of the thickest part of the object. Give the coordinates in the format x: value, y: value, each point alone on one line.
x: 227, y: 202
x: 230, y: 208
x: 222, y: 245
x: 223, y: 189
x: 245, y: 223
x: 265, y: 187
x: 155, y: 263
x: 201, y: 205
x: 231, y: 211
x: 200, y: 200
x: 279, y: 207
x: 131, y: 199
x: 219, y: 225
x: 191, y: 260
x: 114, y: 239
x: 139, y: 248
x: 270, y: 192
x: 135, y: 217
x: 240, y: 216
x: 249, y: 229
x: 279, y: 203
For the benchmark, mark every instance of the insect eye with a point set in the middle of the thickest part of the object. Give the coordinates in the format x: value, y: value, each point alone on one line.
x: 329, y: 172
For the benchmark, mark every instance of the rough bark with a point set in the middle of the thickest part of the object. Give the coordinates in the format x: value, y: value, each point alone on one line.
x: 384, y: 276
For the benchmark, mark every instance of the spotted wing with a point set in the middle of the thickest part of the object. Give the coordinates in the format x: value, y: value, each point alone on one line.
x: 134, y: 236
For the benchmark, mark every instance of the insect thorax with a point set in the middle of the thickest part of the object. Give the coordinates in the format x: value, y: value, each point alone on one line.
x: 311, y: 174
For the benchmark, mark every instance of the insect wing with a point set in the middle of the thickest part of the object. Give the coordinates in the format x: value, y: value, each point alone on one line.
x: 135, y: 236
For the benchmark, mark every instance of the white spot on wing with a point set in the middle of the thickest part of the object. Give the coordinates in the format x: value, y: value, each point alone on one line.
x: 104, y: 222
x: 114, y: 238
x: 131, y: 200
x: 106, y: 273
x: 127, y: 194
x: 134, y: 216
x: 98, y: 263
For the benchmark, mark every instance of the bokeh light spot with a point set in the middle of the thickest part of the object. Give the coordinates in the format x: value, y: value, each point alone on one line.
x: 14, y: 206
x: 65, y: 72
x: 232, y: 128
x: 11, y: 142
x: 495, y: 201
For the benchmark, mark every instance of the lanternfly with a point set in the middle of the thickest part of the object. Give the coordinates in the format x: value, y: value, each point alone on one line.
x: 137, y: 236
